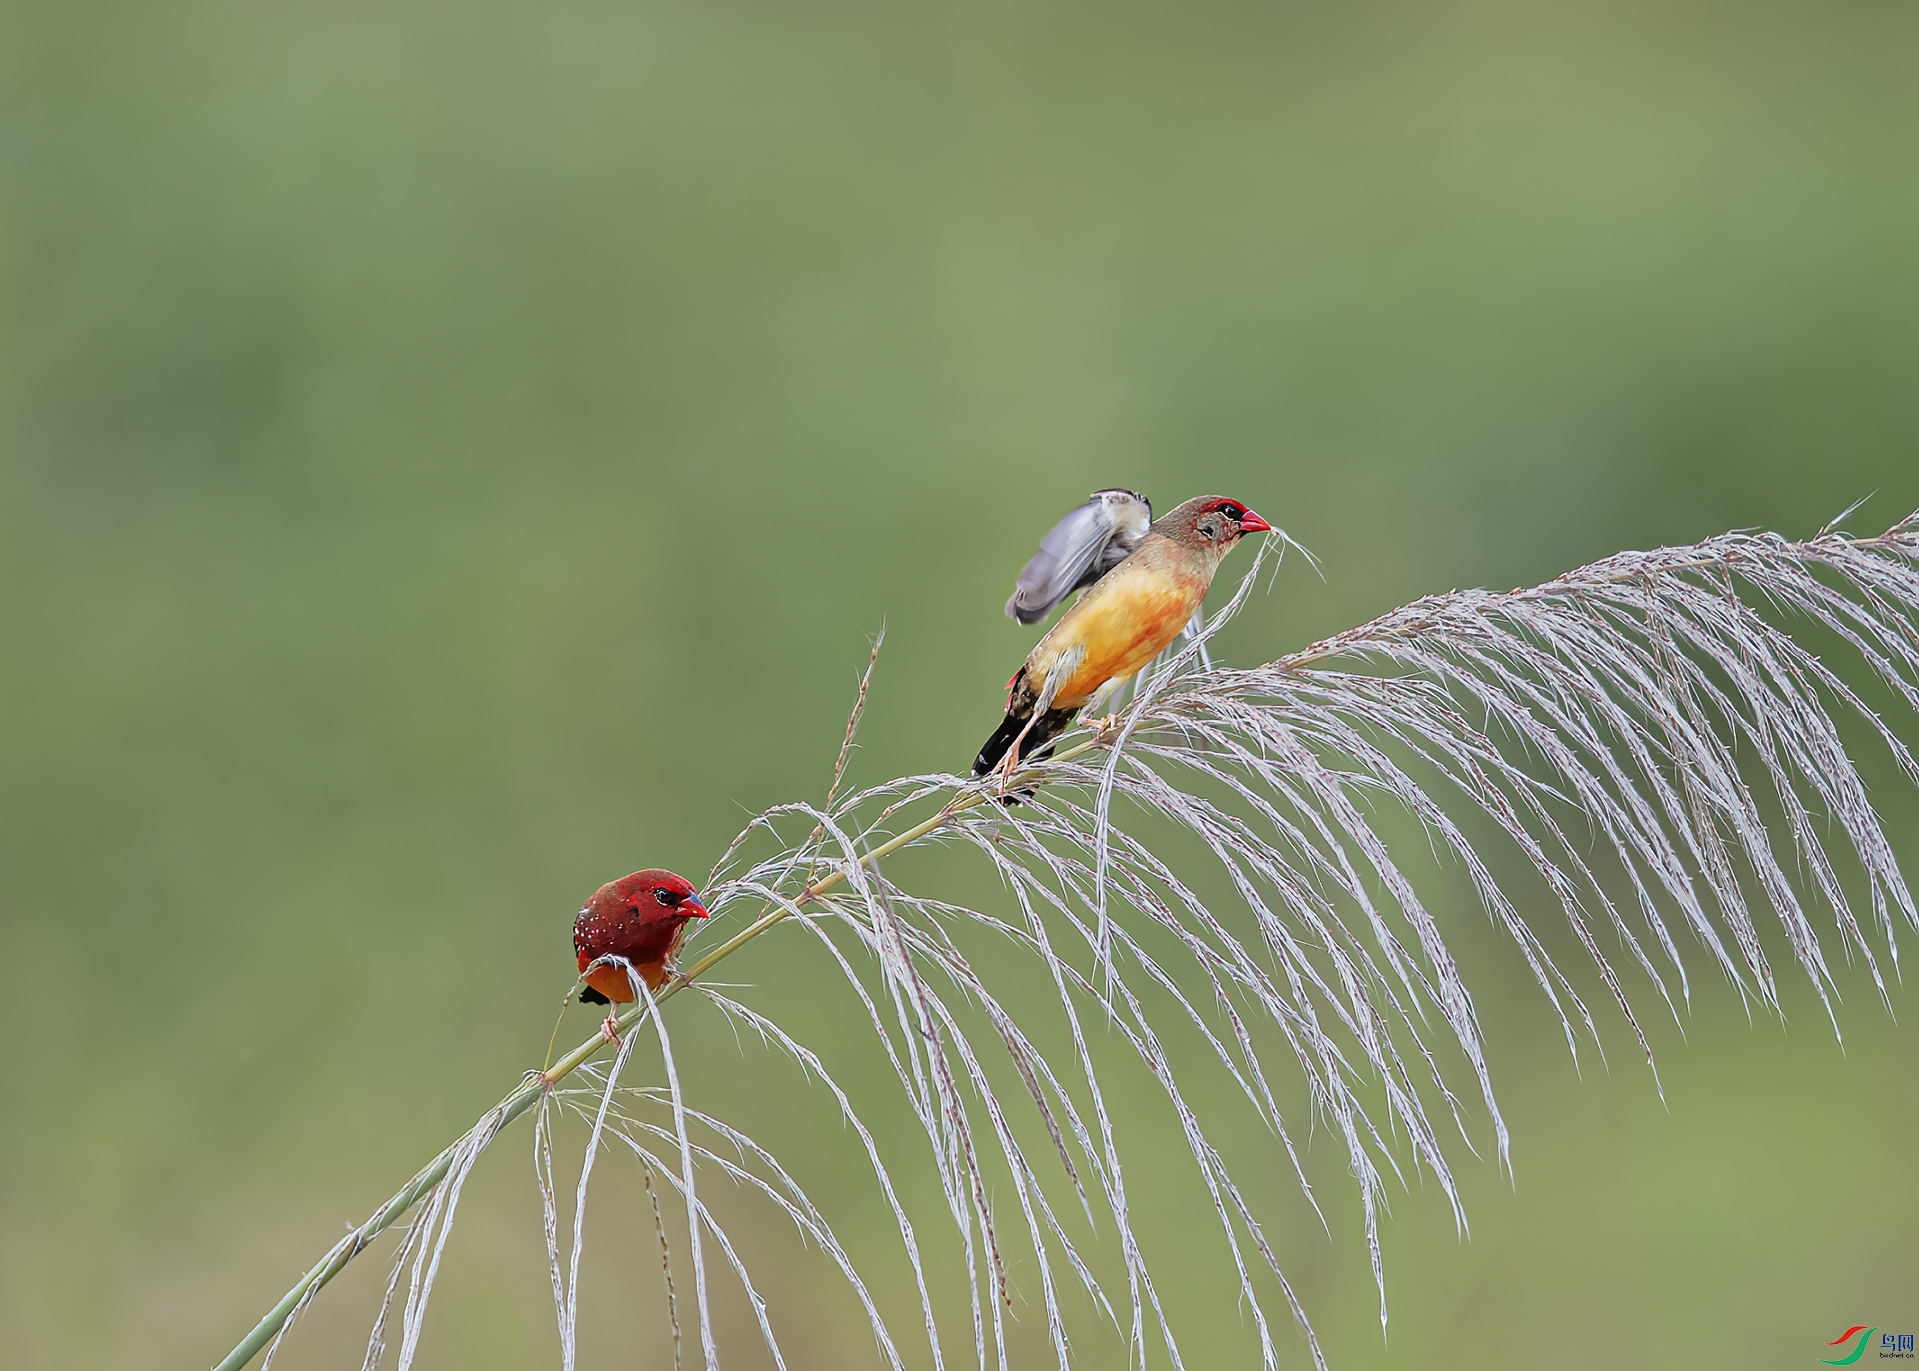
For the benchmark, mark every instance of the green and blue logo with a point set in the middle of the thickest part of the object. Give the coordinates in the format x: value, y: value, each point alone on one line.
x: 1897, y: 1346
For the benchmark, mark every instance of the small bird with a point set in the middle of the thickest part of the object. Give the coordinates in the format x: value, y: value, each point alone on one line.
x: 1078, y: 550
x: 1119, y: 625
x: 642, y: 918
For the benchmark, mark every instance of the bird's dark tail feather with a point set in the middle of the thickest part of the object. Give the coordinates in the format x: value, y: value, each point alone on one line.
x: 1037, y: 745
x: 592, y: 996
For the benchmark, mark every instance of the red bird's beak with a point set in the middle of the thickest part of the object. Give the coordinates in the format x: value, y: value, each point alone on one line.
x: 694, y: 908
x: 1250, y: 522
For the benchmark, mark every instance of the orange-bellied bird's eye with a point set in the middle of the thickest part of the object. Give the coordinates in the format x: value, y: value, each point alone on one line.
x: 665, y: 896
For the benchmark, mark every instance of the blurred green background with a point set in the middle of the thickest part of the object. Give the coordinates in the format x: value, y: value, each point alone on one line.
x: 456, y: 455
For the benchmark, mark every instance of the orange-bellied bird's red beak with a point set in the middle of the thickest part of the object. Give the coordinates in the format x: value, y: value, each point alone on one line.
x: 1252, y: 523
x: 691, y: 905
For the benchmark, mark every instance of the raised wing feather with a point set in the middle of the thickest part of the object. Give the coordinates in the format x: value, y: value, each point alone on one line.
x: 1066, y: 554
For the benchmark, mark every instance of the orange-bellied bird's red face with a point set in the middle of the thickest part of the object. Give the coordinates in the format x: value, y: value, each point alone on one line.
x: 642, y: 918
x: 1212, y: 521
x: 1124, y: 619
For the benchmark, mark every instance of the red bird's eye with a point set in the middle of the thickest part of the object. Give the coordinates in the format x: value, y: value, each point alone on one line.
x: 665, y: 896
x: 1233, y: 512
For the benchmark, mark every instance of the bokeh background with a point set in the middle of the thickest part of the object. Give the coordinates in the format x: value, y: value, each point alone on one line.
x: 455, y: 455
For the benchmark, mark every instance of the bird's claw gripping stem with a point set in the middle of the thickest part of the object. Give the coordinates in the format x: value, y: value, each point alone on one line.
x: 610, y: 1030
x: 1007, y: 766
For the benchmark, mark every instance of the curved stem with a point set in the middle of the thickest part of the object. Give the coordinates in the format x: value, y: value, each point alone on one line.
x: 538, y: 1083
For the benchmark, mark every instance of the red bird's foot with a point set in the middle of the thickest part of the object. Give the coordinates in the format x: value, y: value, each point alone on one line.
x: 1106, y: 730
x: 610, y: 1030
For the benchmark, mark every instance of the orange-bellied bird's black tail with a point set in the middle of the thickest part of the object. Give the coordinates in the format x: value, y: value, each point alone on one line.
x: 1035, y: 747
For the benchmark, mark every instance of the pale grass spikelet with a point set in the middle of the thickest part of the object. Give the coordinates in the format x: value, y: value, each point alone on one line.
x: 1236, y: 878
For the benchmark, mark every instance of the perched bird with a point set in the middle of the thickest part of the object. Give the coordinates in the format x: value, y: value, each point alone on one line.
x: 642, y: 918
x: 1080, y: 549
x: 1120, y: 624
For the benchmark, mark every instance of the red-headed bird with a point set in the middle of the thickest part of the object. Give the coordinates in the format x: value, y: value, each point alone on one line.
x: 1120, y: 624
x: 1078, y: 550
x: 642, y: 918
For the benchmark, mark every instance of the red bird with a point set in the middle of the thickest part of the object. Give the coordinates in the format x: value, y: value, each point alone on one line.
x: 642, y: 918
x: 1120, y: 624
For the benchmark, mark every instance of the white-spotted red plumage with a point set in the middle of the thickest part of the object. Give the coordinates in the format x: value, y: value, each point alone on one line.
x: 641, y: 918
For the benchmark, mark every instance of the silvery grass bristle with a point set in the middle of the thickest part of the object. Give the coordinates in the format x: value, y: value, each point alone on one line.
x: 1645, y: 735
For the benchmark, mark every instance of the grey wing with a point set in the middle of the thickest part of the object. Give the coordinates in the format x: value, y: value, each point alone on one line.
x: 1116, y: 550
x: 1065, y: 555
x: 1131, y: 516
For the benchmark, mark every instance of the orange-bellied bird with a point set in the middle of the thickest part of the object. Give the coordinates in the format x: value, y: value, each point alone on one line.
x: 1078, y: 550
x: 1120, y: 624
x: 642, y: 918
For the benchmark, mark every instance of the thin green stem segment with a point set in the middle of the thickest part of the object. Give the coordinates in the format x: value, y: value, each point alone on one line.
x: 537, y: 1083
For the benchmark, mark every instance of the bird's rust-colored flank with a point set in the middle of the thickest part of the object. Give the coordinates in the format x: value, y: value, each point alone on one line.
x: 642, y: 918
x: 1121, y: 623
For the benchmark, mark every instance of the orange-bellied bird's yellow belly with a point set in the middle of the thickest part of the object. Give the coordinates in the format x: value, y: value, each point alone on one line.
x: 1118, y: 626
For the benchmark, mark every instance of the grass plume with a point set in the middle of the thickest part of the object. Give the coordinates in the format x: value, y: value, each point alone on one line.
x: 1646, y: 736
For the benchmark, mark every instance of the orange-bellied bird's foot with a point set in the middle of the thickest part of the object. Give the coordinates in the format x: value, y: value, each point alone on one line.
x: 1105, y: 730
x: 1003, y: 785
x: 610, y: 1030
x: 1009, y: 764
